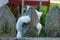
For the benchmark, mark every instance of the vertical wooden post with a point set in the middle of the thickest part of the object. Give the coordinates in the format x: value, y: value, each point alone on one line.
x: 22, y: 7
x: 40, y: 5
x: 18, y: 15
x: 48, y: 6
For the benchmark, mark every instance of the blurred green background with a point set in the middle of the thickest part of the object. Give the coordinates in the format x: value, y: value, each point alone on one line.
x: 43, y: 18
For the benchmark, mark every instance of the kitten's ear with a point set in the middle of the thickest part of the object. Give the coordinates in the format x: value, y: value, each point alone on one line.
x: 39, y: 14
x: 36, y: 11
x: 27, y: 8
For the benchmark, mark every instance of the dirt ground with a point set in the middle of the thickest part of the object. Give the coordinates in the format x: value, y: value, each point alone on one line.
x: 41, y: 38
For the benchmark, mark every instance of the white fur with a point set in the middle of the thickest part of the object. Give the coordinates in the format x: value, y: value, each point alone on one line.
x: 21, y: 20
x: 26, y: 19
x: 39, y: 14
x: 39, y: 27
x: 19, y: 34
x: 28, y: 7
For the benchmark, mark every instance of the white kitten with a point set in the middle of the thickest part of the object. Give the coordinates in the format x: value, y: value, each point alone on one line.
x: 38, y: 25
x: 21, y: 20
x: 26, y: 19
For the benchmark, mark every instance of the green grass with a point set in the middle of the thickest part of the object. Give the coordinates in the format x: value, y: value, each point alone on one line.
x: 44, y: 10
x: 43, y: 18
